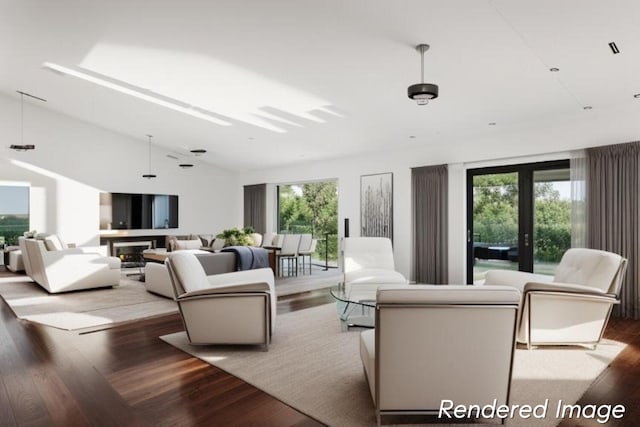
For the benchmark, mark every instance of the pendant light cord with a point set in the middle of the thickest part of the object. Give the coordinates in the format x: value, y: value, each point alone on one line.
x: 150, y: 136
x: 22, y: 118
x: 422, y: 64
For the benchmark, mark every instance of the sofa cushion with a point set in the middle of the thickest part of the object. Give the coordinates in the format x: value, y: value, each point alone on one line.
x: 217, y: 244
x: 53, y: 243
x: 186, y: 244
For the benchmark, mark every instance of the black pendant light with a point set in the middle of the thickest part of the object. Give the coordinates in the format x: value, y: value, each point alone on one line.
x: 149, y: 175
x: 422, y: 92
x: 22, y: 146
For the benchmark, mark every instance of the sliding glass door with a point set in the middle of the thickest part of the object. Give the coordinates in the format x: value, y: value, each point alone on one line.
x: 518, y: 218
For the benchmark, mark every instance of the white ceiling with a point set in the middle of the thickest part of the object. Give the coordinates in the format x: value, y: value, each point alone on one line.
x: 320, y: 79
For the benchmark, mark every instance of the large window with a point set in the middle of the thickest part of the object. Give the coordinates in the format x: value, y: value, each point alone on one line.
x: 519, y: 218
x: 14, y: 213
x: 311, y: 208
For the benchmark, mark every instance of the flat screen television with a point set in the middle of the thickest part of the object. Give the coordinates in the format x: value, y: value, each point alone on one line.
x: 128, y: 211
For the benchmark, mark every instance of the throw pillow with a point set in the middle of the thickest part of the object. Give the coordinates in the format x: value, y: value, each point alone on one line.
x: 206, y: 239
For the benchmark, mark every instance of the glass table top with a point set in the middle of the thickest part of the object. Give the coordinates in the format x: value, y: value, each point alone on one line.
x: 355, y: 308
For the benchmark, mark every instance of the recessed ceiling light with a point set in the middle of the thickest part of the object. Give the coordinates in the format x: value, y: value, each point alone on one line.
x: 492, y: 123
x: 614, y: 48
x: 587, y: 107
x: 185, y: 165
x: 637, y: 95
x: 251, y: 138
x: 412, y: 136
x: 554, y: 69
x: 199, y: 151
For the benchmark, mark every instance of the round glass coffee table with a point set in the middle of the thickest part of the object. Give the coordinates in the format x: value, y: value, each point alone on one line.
x: 357, y: 308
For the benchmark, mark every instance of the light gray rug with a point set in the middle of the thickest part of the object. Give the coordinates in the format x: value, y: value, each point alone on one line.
x: 314, y: 367
x: 294, y: 285
x: 88, y: 309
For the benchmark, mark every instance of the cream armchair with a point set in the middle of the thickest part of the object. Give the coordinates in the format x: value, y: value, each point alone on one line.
x: 440, y: 342
x: 69, y: 269
x: 228, y: 308
x: 368, y: 263
x: 571, y: 308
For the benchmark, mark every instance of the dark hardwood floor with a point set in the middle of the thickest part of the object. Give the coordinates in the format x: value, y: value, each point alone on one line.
x: 127, y: 376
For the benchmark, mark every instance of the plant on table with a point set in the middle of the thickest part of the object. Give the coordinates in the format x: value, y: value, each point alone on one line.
x: 237, y: 236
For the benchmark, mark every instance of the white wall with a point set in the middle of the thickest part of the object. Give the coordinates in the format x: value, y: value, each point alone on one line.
x: 74, y: 161
x: 515, y: 145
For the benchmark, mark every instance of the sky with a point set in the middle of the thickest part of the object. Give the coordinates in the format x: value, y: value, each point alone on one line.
x: 14, y: 200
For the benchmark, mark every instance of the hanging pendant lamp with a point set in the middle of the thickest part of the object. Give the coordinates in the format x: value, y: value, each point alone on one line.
x: 22, y: 146
x: 149, y: 175
x: 422, y: 92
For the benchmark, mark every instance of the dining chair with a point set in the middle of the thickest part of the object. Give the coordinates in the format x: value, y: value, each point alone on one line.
x: 289, y: 251
x: 307, y: 248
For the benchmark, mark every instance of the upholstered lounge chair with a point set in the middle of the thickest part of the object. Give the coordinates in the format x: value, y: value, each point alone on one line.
x: 571, y: 308
x: 158, y: 281
x: 440, y: 342
x: 228, y: 308
x: 368, y: 263
x: 69, y: 269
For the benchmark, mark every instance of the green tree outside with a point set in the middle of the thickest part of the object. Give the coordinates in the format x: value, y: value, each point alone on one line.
x: 311, y: 208
x: 495, y: 215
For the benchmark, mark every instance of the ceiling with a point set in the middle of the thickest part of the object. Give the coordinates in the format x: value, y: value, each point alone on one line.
x: 290, y: 81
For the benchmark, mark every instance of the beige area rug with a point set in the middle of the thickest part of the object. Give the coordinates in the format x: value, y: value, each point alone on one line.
x: 87, y: 309
x: 319, y: 280
x: 314, y: 367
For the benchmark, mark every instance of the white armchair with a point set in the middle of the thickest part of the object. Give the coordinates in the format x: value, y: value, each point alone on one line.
x: 368, y: 263
x: 69, y: 269
x: 440, y: 342
x: 572, y: 307
x: 228, y: 308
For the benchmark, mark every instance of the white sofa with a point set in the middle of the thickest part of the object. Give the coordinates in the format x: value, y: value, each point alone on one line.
x: 228, y: 308
x: 572, y: 307
x: 440, y: 342
x: 69, y: 269
x: 368, y: 263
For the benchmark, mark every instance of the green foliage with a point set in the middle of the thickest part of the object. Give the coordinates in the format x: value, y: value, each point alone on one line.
x: 495, y: 215
x: 12, y: 227
x: 237, y: 237
x: 313, y: 209
x: 552, y: 229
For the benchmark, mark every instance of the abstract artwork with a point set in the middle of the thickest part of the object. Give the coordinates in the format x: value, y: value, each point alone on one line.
x: 376, y: 205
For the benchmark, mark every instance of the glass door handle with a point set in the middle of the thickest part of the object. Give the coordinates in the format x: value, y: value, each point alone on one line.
x: 526, y: 239
x: 468, y: 236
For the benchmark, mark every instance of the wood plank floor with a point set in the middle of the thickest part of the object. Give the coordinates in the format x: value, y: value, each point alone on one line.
x: 127, y: 376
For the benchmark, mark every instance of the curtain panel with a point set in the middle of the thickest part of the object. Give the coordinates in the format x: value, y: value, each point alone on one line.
x: 578, y: 178
x: 255, y: 207
x: 429, y: 204
x: 614, y: 213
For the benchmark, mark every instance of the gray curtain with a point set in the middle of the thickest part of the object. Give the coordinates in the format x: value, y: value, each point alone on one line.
x: 255, y: 207
x: 429, y: 205
x: 613, y: 201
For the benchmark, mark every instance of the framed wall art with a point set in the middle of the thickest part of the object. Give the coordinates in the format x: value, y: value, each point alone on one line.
x: 376, y: 205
